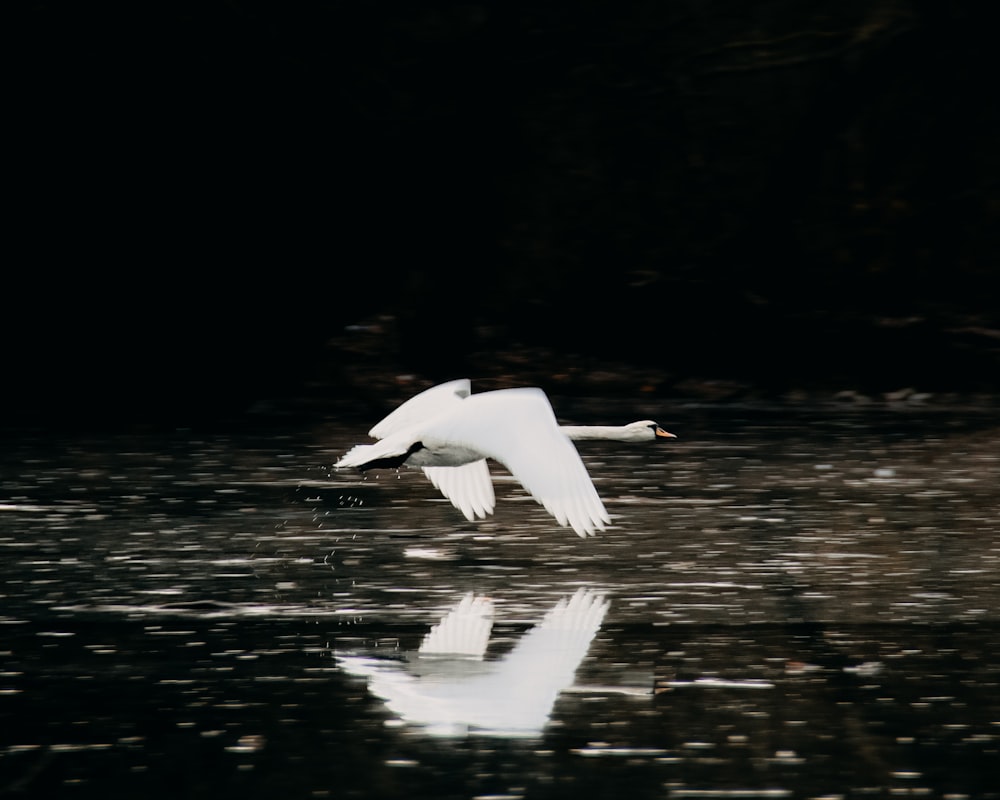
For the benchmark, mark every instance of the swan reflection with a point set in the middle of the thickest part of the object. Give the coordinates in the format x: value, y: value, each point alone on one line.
x: 449, y: 689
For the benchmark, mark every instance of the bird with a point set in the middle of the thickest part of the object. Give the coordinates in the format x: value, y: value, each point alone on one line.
x: 449, y: 432
x: 450, y: 688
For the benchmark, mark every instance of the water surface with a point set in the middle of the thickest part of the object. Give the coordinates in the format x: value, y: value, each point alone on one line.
x: 799, y: 602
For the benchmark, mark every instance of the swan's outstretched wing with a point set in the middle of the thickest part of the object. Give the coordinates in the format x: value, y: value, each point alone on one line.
x: 429, y: 403
x: 517, y: 428
x: 469, y: 487
x: 463, y: 631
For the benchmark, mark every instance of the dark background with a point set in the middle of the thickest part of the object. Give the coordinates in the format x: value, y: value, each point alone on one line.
x: 777, y: 195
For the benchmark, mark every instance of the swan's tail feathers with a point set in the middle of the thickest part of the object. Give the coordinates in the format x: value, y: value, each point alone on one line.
x: 381, y: 455
x: 469, y: 487
x: 357, y: 456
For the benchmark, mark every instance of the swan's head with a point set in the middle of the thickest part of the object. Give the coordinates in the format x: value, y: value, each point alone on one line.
x: 646, y: 430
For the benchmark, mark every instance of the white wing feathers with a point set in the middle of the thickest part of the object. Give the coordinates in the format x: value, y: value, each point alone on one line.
x: 422, y: 407
x: 517, y: 428
x: 469, y: 487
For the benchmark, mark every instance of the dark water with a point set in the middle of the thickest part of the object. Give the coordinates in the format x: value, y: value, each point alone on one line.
x: 800, y: 603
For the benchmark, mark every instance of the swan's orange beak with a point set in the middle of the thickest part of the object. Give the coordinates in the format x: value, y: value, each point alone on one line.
x: 662, y: 434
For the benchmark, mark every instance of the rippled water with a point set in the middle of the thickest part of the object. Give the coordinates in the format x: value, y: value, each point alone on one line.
x: 800, y: 602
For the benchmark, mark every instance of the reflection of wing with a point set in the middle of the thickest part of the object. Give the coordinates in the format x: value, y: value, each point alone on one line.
x: 419, y: 408
x: 512, y: 697
x: 463, y: 631
x: 469, y: 487
x: 545, y: 659
x: 553, y: 649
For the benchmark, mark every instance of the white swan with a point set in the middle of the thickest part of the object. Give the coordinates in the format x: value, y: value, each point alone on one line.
x: 450, y: 432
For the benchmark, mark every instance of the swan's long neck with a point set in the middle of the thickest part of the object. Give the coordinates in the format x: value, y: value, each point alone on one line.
x: 580, y: 432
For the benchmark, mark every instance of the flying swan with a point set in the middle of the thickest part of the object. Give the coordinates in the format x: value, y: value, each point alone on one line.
x: 450, y: 432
